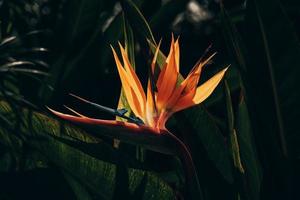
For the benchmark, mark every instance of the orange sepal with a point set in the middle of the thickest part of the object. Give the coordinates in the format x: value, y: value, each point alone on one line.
x: 168, y: 79
x: 136, y: 106
x: 199, y: 94
x: 112, y: 124
x: 135, y: 82
x: 205, y: 90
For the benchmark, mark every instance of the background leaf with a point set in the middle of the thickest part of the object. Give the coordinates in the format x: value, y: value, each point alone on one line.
x: 92, y: 173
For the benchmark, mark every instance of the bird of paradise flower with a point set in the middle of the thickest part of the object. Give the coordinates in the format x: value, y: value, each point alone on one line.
x: 164, y: 97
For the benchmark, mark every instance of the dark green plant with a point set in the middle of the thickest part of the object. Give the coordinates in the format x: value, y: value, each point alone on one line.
x: 243, y: 139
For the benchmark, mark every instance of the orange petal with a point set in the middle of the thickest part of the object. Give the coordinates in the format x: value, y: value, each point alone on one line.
x: 162, y: 73
x: 200, y: 94
x: 161, y: 121
x: 184, y: 101
x: 135, y: 82
x: 186, y: 90
x: 161, y: 76
x: 194, y: 76
x: 150, y: 106
x: 176, y: 95
x: 168, y: 79
x: 136, y: 106
x: 177, y: 53
x: 205, y: 90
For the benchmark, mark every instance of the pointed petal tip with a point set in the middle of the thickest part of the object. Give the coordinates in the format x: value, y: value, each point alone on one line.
x: 53, y: 111
x: 114, y: 52
x: 159, y: 43
x: 226, y: 68
x: 202, y: 92
x: 48, y: 108
x: 206, y: 89
x: 74, y: 111
x: 120, y: 45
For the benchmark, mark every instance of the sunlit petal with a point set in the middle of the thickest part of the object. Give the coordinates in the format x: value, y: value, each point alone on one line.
x: 184, y: 101
x: 204, y: 90
x: 194, y: 76
x: 161, y: 76
x: 186, y: 90
x: 150, y: 106
x: 169, y: 79
x: 177, y: 54
x: 136, y: 106
x: 198, y: 95
x: 176, y: 95
x: 135, y: 82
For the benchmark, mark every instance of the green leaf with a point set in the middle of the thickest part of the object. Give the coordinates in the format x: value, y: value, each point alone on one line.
x: 83, y: 25
x: 266, y: 57
x: 233, y: 40
x: 202, y: 130
x: 129, y: 41
x: 137, y: 20
x: 78, y: 189
x: 253, y: 173
x: 276, y: 48
x: 235, y: 149
x: 97, y: 149
x: 97, y: 176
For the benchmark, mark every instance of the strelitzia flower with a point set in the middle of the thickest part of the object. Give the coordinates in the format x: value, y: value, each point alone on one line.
x: 164, y: 96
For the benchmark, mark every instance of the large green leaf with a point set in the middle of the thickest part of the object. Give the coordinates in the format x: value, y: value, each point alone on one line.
x: 80, y: 18
x: 248, y: 169
x: 79, y: 189
x: 235, y: 147
x: 267, y: 57
x: 96, y: 175
x: 137, y: 19
x: 76, y: 39
x: 203, y: 130
x: 248, y: 152
x: 276, y: 50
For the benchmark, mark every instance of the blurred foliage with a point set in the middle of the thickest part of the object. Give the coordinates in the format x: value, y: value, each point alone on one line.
x: 244, y: 139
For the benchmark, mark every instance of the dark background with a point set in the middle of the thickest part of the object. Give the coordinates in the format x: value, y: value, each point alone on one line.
x: 69, y: 40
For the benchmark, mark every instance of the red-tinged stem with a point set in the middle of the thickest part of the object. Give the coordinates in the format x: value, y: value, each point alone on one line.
x: 192, y: 187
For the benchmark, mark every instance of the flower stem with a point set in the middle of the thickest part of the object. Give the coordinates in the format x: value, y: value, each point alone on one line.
x: 192, y: 187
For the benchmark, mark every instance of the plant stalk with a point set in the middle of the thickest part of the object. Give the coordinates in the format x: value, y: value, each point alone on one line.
x: 192, y: 187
